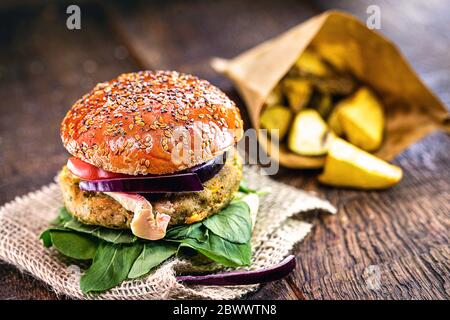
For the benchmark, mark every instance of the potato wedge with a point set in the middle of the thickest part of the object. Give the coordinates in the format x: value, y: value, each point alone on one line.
x: 275, y: 97
x: 298, y: 92
x: 309, y: 134
x: 310, y: 63
x: 349, y: 166
x: 276, y: 117
x: 336, y: 84
x: 310, y: 66
x: 322, y: 103
x: 333, y: 121
x: 362, y: 119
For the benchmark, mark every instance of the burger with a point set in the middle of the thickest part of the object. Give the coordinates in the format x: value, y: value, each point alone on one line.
x: 153, y: 173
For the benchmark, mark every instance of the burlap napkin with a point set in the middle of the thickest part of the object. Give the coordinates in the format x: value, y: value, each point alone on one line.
x: 276, y: 231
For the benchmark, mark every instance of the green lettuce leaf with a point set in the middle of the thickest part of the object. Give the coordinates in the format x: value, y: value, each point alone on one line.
x: 243, y: 187
x: 221, y: 251
x: 110, y: 266
x: 153, y: 254
x: 63, y: 217
x: 192, y: 231
x: 233, y: 223
x: 109, y: 235
x: 73, y: 245
x: 46, y: 238
x: 118, y: 254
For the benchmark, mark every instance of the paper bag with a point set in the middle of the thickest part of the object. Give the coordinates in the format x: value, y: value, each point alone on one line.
x: 412, y: 110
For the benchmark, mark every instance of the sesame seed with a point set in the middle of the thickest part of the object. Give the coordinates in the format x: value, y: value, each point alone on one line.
x: 151, y: 100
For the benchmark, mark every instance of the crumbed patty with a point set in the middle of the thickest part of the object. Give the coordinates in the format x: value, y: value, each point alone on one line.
x: 97, y: 208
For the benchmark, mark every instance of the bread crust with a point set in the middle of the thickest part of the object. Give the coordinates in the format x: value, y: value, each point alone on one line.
x: 151, y: 122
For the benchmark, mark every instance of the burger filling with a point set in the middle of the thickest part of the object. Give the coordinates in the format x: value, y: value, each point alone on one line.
x: 149, y: 216
x: 145, y: 224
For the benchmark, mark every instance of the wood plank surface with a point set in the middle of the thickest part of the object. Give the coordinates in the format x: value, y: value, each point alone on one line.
x: 399, y: 236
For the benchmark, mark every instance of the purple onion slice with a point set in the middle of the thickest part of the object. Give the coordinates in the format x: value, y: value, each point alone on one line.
x: 235, y: 278
x: 186, y: 181
x: 209, y: 169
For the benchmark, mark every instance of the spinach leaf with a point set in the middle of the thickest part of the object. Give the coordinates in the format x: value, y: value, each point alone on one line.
x: 65, y: 221
x: 62, y: 217
x: 153, y: 254
x: 228, y: 240
x: 193, y: 231
x: 233, y: 223
x: 222, y: 251
x: 109, y: 235
x: 110, y: 266
x: 118, y: 254
x: 46, y: 238
x: 72, y: 244
x: 243, y: 187
x: 46, y: 235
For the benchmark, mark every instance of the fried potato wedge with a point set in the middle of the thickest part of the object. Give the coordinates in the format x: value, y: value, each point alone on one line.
x: 276, y: 117
x: 275, y: 97
x: 336, y: 84
x: 322, y: 103
x: 311, y: 64
x: 349, y: 166
x: 362, y: 119
x: 298, y: 92
x: 333, y: 121
x: 309, y: 134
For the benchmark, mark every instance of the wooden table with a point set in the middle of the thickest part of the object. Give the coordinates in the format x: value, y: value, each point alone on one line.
x: 401, y: 234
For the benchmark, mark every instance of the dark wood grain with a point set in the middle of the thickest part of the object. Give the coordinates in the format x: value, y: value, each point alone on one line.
x: 43, y: 71
x: 401, y: 233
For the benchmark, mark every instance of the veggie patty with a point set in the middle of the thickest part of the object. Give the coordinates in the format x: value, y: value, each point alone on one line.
x: 97, y: 208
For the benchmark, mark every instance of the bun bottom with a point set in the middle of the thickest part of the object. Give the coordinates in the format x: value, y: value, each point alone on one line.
x: 97, y: 208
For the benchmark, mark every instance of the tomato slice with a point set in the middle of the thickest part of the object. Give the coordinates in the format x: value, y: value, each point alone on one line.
x: 87, y: 171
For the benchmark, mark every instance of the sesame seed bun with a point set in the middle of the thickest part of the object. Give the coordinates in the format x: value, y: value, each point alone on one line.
x: 151, y: 122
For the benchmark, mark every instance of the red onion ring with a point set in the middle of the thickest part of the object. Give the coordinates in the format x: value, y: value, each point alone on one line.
x: 185, y: 181
x: 236, y: 278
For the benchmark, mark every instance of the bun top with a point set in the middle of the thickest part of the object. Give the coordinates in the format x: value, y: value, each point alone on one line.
x: 151, y: 122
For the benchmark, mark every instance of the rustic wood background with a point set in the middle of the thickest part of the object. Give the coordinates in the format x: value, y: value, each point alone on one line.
x: 403, y: 233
